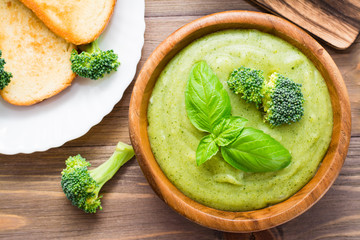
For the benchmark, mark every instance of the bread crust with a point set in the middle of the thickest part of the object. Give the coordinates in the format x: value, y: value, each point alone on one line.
x: 13, y: 101
x: 38, y: 59
x: 59, y: 30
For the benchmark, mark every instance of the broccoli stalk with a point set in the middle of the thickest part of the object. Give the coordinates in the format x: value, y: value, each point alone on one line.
x: 4, y: 76
x: 283, y: 100
x: 249, y: 82
x: 82, y: 186
x: 93, y: 62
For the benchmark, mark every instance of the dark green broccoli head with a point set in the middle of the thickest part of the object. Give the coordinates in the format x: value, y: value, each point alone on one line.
x: 4, y: 76
x: 94, y: 63
x: 283, y: 100
x: 249, y: 82
x: 79, y: 187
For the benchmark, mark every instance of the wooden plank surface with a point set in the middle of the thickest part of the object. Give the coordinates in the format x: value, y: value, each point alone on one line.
x: 336, y: 22
x: 32, y: 205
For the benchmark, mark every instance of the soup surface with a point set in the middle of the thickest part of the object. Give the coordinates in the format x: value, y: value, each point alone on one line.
x: 215, y: 183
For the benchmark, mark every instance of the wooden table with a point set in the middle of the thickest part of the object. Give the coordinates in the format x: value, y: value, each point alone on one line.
x: 33, y: 206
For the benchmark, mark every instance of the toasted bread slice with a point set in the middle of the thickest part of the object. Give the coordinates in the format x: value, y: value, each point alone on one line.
x: 79, y: 22
x: 38, y: 59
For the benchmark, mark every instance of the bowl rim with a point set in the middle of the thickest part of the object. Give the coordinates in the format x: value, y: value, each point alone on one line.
x: 279, y: 213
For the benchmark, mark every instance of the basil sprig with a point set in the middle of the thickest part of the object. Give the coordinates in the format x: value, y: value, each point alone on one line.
x: 206, y: 101
x: 255, y: 151
x: 209, y: 110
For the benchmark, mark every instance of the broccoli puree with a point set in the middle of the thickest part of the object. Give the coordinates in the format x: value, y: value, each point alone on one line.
x: 215, y: 183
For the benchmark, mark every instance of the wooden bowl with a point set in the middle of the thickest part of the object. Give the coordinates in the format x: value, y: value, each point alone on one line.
x: 268, y: 217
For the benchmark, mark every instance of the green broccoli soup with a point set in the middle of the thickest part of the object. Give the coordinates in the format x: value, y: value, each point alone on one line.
x: 215, y: 183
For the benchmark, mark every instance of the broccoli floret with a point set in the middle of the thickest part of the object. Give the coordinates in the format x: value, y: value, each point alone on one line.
x: 81, y: 186
x: 4, y: 76
x: 248, y: 82
x: 283, y: 100
x: 93, y: 63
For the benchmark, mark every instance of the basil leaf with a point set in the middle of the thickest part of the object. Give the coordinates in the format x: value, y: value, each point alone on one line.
x: 256, y: 151
x: 228, y: 130
x: 206, y: 100
x: 206, y: 149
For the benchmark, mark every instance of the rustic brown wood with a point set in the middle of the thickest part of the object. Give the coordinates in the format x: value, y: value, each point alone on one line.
x: 335, y: 22
x: 259, y: 219
x: 32, y: 205
x: 270, y: 234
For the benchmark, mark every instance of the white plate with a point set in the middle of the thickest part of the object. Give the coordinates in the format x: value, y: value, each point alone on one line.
x: 73, y: 112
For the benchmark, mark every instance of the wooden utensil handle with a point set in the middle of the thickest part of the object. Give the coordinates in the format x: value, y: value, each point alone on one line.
x: 335, y: 22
